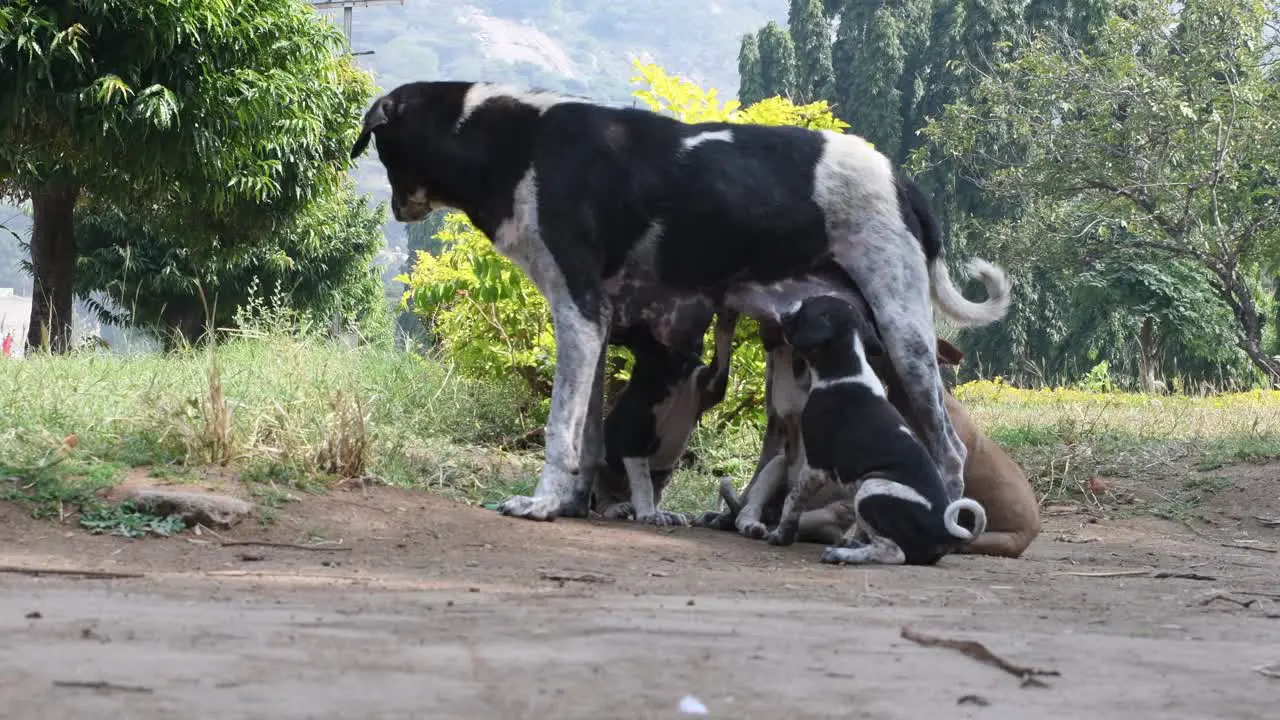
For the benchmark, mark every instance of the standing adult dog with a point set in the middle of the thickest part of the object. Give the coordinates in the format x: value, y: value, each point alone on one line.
x: 584, y: 197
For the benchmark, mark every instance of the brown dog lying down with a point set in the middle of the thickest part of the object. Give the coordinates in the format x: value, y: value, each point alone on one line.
x: 991, y: 477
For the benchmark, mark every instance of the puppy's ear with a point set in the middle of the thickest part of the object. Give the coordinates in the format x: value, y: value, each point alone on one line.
x: 948, y: 353
x: 378, y: 115
x: 807, y: 327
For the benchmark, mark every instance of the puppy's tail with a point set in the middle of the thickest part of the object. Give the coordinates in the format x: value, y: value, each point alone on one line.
x: 730, y: 496
x: 967, y: 313
x: 951, y: 517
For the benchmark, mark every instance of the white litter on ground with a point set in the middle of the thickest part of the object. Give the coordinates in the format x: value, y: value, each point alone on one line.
x: 689, y: 705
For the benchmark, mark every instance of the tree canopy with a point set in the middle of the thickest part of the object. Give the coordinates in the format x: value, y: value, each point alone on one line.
x: 212, y: 116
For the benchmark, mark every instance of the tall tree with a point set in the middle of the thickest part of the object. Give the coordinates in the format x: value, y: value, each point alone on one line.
x: 1167, y: 131
x: 869, y: 67
x: 236, y: 113
x: 750, y: 80
x: 777, y: 61
x: 811, y: 35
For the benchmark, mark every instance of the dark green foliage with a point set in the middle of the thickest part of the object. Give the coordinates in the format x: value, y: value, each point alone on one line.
x: 871, y: 60
x: 811, y: 35
x: 750, y: 81
x: 317, y: 265
x: 777, y: 61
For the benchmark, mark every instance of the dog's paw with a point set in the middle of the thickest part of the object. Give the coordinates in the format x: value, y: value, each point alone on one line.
x: 753, y: 531
x: 780, y: 537
x: 841, y: 556
x: 711, y: 519
x: 619, y: 511
x: 664, y: 518
x: 531, y: 508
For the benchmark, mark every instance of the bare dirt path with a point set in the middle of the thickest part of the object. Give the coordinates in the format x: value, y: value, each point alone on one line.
x: 437, y: 610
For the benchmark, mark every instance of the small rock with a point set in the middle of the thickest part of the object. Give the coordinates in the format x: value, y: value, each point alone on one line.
x: 690, y: 603
x: 973, y: 700
x: 220, y: 511
x: 34, y: 615
x: 690, y: 705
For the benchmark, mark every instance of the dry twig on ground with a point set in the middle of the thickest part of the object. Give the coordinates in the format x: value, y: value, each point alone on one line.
x: 979, y: 652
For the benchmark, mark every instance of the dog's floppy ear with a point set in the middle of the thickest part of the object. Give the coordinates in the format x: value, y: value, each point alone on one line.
x: 948, y: 353
x: 377, y: 116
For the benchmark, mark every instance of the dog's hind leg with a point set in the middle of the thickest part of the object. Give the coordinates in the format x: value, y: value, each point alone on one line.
x: 889, y: 268
x: 766, y: 485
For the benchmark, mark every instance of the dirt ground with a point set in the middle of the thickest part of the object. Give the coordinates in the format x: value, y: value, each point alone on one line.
x: 425, y: 608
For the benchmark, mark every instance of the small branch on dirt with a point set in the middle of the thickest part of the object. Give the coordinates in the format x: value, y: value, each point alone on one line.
x: 584, y: 577
x: 973, y: 700
x: 1269, y: 522
x: 87, y: 574
x: 524, y: 440
x: 264, y: 543
x: 1268, y: 595
x: 102, y: 685
x: 1164, y: 575
x: 1259, y: 548
x: 1109, y: 574
x: 979, y: 652
x: 1227, y: 597
x: 1272, y: 671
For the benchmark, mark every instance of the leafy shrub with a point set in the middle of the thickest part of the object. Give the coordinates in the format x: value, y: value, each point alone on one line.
x: 490, y: 320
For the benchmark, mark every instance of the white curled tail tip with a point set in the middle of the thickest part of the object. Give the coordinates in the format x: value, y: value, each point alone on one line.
x: 951, y: 517
x: 963, y: 312
x: 729, y: 495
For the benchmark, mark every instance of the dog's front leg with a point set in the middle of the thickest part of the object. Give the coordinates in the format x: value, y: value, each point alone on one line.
x: 574, y: 436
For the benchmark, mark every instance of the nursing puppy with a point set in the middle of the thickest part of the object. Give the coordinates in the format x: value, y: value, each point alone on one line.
x: 649, y: 426
x: 853, y: 435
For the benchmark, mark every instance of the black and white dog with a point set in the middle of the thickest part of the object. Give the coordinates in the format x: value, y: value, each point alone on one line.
x: 583, y: 197
x: 854, y: 436
x: 648, y: 428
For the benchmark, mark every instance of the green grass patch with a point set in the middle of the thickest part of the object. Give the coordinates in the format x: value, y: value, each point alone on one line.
x: 292, y: 415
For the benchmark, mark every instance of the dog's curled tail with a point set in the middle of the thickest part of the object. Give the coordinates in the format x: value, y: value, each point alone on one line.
x: 729, y: 495
x: 967, y: 313
x: 951, y: 517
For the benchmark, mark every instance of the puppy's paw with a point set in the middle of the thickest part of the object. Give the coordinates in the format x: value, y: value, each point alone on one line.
x: 840, y: 556
x: 665, y: 518
x: 753, y: 530
x: 781, y: 537
x: 619, y: 511
x: 531, y: 508
x: 714, y: 520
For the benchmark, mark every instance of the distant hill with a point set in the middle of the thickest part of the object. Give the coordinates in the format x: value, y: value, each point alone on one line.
x: 584, y: 47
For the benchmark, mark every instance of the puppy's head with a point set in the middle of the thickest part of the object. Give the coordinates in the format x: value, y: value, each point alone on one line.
x: 818, y: 321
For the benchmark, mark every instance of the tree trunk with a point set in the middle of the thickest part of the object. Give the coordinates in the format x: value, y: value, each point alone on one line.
x: 1235, y: 291
x: 53, y: 262
x: 1148, y: 352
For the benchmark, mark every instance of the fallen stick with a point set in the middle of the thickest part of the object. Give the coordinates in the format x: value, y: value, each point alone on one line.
x: 979, y: 652
x: 1164, y: 574
x: 1269, y: 522
x: 92, y: 574
x: 264, y: 543
x: 584, y: 577
x: 1259, y: 548
x: 1109, y: 574
x: 102, y: 685
x: 1271, y: 671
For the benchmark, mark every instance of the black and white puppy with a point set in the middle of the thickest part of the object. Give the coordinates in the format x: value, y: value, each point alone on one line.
x: 648, y: 428
x: 853, y: 435
x: 584, y: 197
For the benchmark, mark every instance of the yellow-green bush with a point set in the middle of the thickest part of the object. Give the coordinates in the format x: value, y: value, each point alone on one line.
x: 492, y: 323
